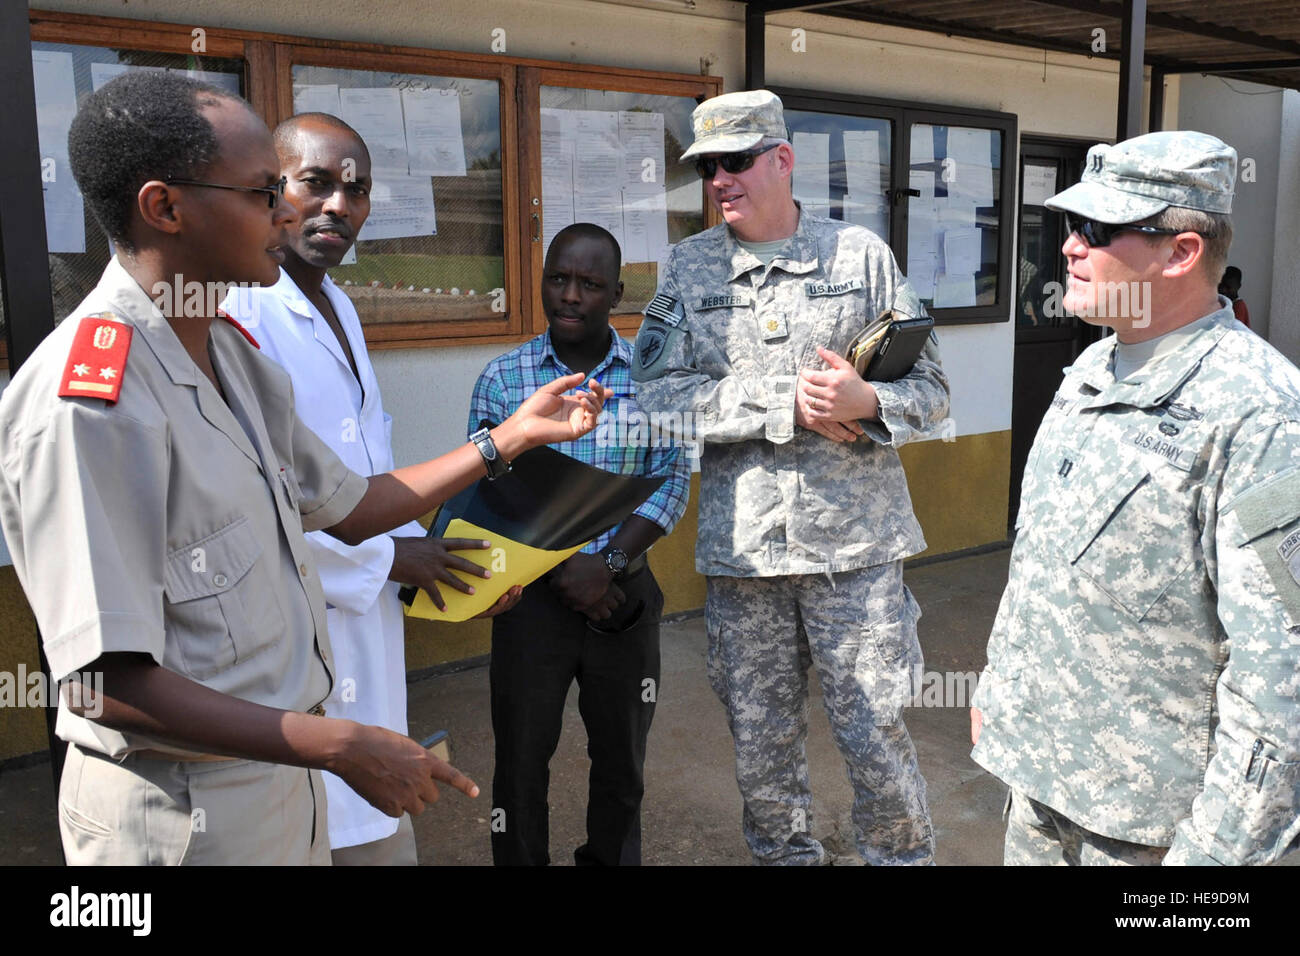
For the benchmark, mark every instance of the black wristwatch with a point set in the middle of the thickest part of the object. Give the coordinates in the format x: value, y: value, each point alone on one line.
x: 496, y: 465
x: 616, y: 560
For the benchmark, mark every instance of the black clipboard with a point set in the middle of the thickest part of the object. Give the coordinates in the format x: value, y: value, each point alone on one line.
x: 899, y: 349
x: 546, y: 500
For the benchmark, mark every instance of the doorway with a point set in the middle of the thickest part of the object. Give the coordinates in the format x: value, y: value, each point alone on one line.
x: 1047, y: 340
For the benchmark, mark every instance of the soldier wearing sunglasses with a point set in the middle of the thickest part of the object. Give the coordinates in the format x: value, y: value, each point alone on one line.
x: 804, y: 511
x: 1142, y: 696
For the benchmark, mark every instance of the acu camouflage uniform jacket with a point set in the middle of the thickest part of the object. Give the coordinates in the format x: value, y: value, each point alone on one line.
x: 1144, y: 667
x: 722, y: 346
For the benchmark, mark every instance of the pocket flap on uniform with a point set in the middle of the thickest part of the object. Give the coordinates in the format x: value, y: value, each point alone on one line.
x: 1099, y: 513
x: 1265, y: 507
x: 212, y: 564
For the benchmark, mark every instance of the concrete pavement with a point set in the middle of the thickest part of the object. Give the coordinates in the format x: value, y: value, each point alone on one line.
x: 692, y: 807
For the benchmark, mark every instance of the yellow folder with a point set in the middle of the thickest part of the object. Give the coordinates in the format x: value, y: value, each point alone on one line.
x: 511, y: 563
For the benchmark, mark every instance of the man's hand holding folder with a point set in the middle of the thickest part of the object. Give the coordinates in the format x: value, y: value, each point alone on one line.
x: 831, y: 402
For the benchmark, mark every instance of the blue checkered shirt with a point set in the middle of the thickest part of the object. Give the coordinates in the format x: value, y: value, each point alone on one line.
x: 511, y: 378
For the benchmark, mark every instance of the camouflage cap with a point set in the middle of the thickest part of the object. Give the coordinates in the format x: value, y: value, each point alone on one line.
x: 1147, y: 174
x: 734, y: 122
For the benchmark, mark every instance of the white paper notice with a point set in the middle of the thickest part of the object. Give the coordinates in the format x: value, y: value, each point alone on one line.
x: 101, y: 73
x: 922, y: 180
x: 65, y: 217
x: 645, y: 223
x: 956, y: 213
x: 597, y: 154
x: 812, y: 168
x: 642, y: 138
x: 974, y: 183
x: 954, y: 291
x: 56, y: 104
x: 970, y: 147
x: 862, y: 170
x: 400, y: 206
x: 869, y: 211
x: 922, y: 144
x: 1039, y: 184
x: 433, y: 136
x: 316, y: 98
x: 557, y: 173
x: 961, y: 251
x: 376, y: 115
x: 605, y: 210
x: 920, y: 273
x: 922, y: 228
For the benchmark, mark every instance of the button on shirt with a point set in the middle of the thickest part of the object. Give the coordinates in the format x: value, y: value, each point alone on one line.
x: 171, y: 523
x: 366, y: 623
x: 776, y: 498
x: 617, y: 444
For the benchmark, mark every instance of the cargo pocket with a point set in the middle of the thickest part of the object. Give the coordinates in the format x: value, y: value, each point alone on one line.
x: 1127, y: 545
x: 221, y: 602
x: 1257, y: 810
x: 889, y: 661
x: 716, y: 665
x: 1269, y: 516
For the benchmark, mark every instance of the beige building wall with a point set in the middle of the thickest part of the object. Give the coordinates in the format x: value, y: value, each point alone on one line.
x: 959, y: 488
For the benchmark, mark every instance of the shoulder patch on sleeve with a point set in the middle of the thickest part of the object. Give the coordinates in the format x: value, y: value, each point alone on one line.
x: 1269, y: 517
x: 97, y: 360
x: 665, y: 320
x: 242, y: 331
x: 654, y: 344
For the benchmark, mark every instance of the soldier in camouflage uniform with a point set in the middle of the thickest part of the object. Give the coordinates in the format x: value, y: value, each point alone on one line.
x: 1144, y: 669
x: 804, y: 513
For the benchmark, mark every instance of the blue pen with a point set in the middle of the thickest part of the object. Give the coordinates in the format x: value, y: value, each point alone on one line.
x: 596, y: 379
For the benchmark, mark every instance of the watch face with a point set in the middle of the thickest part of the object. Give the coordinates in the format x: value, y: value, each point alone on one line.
x: 616, y: 561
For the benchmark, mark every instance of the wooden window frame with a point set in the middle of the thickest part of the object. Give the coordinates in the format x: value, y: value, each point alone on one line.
x: 268, y: 81
x: 532, y: 81
x: 409, y: 334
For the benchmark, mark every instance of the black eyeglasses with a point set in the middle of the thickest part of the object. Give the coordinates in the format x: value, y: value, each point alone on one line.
x: 1098, y: 234
x: 731, y: 162
x: 273, y: 193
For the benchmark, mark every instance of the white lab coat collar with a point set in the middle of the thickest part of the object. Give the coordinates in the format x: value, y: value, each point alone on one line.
x: 297, y: 302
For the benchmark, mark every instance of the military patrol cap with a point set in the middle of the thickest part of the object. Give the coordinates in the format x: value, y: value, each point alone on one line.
x: 1147, y: 174
x: 734, y: 122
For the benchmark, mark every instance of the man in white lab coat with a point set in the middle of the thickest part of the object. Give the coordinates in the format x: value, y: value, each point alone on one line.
x: 307, y: 324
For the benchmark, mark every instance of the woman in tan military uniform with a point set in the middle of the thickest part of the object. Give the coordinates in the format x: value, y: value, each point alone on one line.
x: 156, y: 486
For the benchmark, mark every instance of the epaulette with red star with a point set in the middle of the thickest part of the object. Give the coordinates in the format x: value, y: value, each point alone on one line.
x: 97, y: 359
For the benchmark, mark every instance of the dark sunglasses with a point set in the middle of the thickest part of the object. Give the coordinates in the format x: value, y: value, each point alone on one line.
x: 1098, y: 234
x: 731, y: 162
x: 273, y: 193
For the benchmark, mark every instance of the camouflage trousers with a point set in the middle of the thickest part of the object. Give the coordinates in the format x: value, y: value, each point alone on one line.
x: 860, y: 631
x: 1039, y: 836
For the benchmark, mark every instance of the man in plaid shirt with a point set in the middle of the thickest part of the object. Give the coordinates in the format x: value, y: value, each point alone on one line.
x: 596, y: 616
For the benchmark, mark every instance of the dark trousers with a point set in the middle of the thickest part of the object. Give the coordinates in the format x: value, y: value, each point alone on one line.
x: 538, y: 648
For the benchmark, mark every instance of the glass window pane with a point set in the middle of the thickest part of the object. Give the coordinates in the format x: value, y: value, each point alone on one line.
x: 614, y: 158
x: 64, y: 75
x: 842, y: 168
x: 952, y: 228
x: 1040, y: 249
x: 433, y: 247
